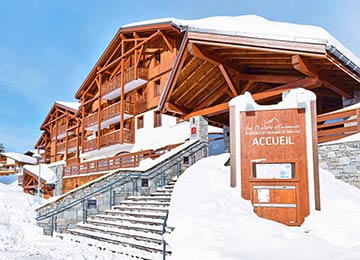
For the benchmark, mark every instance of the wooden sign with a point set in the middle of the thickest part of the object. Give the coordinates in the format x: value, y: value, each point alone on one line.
x: 274, y: 164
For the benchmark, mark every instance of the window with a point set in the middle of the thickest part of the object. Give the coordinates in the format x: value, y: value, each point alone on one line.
x: 157, y: 88
x: 140, y: 122
x: 157, y: 118
x: 157, y: 58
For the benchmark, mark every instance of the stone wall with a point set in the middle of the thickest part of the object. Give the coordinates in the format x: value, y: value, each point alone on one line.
x: 356, y: 99
x: 128, y: 182
x: 342, y: 159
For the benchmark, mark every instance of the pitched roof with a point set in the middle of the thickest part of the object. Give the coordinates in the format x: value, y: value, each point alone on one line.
x: 20, y: 157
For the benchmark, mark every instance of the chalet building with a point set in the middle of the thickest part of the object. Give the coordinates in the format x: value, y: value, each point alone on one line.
x: 31, y: 179
x: 156, y: 75
x: 13, y: 163
x: 60, y: 136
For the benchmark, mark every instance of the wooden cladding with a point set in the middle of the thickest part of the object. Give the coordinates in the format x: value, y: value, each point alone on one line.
x: 338, y: 124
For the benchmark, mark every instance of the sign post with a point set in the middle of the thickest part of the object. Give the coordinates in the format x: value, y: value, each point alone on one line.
x: 272, y: 155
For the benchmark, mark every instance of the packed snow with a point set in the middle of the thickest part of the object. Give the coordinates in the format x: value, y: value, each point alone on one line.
x: 20, y: 238
x: 211, y: 221
x: 71, y: 105
x: 45, y: 173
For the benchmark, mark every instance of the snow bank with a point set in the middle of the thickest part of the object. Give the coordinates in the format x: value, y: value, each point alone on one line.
x: 212, y: 221
x: 17, y: 216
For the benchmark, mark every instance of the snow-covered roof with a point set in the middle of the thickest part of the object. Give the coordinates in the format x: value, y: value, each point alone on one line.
x: 20, y: 157
x: 45, y: 173
x: 71, y: 105
x: 256, y: 27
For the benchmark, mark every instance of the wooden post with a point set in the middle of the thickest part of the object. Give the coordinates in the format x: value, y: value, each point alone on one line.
x: 122, y: 104
x: 77, y: 144
x: 82, y: 124
x: 99, y: 112
x: 315, y: 155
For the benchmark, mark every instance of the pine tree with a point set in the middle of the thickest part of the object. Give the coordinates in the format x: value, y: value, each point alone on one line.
x: 2, y: 148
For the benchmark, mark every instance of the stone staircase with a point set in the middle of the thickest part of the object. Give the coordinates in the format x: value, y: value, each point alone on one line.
x: 133, y: 228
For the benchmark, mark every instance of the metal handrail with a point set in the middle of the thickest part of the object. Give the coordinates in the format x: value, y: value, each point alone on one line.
x: 163, y: 233
x: 130, y: 175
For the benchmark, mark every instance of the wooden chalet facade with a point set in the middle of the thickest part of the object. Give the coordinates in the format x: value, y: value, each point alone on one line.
x: 60, y: 136
x: 126, y: 82
x: 153, y: 73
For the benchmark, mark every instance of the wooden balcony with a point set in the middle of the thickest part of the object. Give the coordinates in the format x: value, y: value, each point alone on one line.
x: 108, y: 113
x: 110, y: 139
x: 338, y: 124
x: 110, y: 85
x: 91, y: 120
x: 59, y: 132
x: 90, y: 145
x: 134, y: 78
x: 133, y: 73
x: 72, y: 144
x: 61, y: 147
x: 116, y: 162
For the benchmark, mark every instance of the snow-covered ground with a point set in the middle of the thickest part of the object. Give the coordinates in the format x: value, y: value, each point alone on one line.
x: 212, y: 222
x: 20, y: 238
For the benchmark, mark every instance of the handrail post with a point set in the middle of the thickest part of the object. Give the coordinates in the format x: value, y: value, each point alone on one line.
x: 177, y: 168
x: 111, y: 197
x: 163, y: 233
x: 84, y: 215
x: 133, y: 186
x: 52, y: 226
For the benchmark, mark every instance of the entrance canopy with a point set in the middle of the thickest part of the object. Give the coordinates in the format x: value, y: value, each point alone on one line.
x: 224, y: 57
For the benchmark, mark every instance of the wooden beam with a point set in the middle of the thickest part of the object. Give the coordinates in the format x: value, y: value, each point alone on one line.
x: 307, y: 83
x: 210, y: 57
x: 247, y: 86
x: 304, y: 83
x: 328, y: 81
x: 210, y: 111
x: 269, y: 78
x: 123, y: 55
x: 167, y: 42
x: 170, y: 107
x: 228, y: 80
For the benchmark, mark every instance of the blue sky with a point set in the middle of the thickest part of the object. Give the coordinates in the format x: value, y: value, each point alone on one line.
x: 47, y: 48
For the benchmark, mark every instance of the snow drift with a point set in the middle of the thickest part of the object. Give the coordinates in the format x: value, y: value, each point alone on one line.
x: 212, y: 221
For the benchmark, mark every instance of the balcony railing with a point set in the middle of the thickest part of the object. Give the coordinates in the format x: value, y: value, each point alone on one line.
x: 130, y: 74
x: 72, y: 143
x: 338, y: 124
x: 108, y: 113
x: 135, y: 73
x: 110, y: 139
x: 90, y: 145
x: 116, y: 162
x: 61, y: 147
x: 110, y: 85
x: 91, y: 120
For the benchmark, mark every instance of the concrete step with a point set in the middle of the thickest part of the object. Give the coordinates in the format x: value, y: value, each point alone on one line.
x: 144, y: 203
x: 109, y: 228
x: 128, y: 226
x: 145, y: 214
x: 129, y: 219
x: 130, y: 247
x: 140, y: 209
x: 149, y: 198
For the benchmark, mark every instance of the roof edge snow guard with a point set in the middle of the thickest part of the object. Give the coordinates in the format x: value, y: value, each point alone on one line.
x: 343, y: 59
